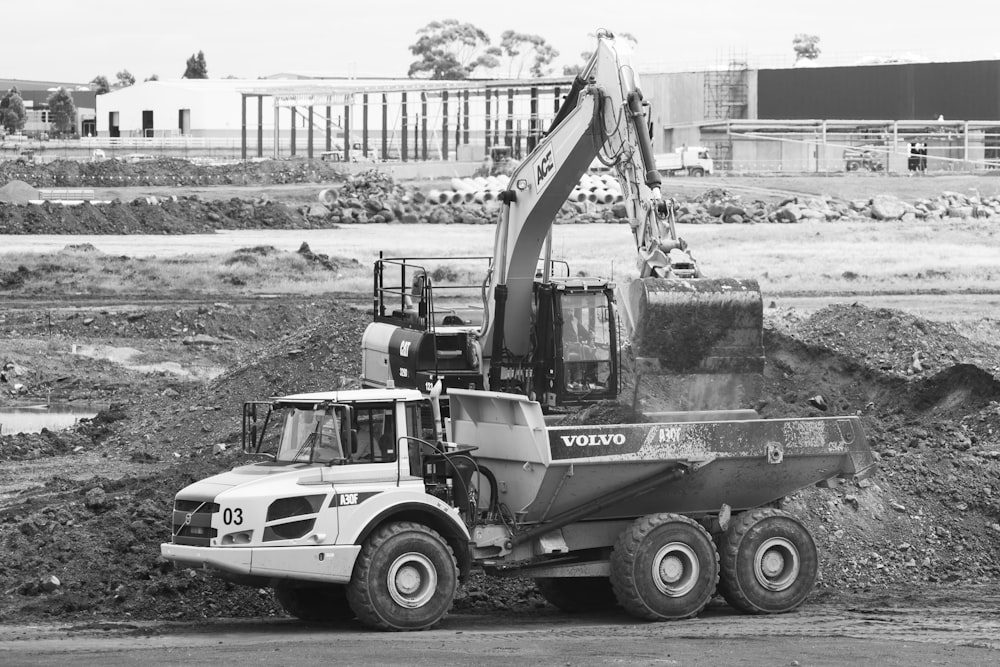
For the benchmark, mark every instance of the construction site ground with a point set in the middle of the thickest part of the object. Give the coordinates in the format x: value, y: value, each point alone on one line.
x: 910, y: 558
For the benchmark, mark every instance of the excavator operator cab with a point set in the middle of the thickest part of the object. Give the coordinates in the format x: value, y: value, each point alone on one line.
x: 586, y: 361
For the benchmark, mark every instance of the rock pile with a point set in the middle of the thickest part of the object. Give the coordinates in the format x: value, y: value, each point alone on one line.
x: 373, y: 197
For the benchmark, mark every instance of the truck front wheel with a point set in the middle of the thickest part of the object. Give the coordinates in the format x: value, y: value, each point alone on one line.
x: 322, y: 603
x: 404, y: 579
x: 769, y: 562
x: 664, y: 567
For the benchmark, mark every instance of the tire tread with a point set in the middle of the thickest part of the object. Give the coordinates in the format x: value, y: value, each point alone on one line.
x: 623, y: 579
x: 358, y: 591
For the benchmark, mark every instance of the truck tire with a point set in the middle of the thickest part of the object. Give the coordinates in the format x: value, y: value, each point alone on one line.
x: 322, y: 603
x: 404, y: 579
x: 697, y: 172
x: 852, y: 165
x: 577, y: 594
x: 769, y: 562
x: 664, y: 567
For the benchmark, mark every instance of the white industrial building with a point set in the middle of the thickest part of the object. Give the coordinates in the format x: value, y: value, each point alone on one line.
x: 277, y: 116
x: 818, y: 120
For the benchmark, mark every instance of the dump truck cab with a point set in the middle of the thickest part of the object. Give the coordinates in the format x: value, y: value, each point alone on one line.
x: 339, y: 466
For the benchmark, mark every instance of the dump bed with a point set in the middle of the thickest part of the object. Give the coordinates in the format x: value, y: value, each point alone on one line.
x: 543, y: 472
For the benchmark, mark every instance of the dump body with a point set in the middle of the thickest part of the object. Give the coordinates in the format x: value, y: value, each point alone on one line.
x: 544, y: 472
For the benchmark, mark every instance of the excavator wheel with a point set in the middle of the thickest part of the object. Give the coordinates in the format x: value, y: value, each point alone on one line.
x: 405, y: 578
x: 769, y: 562
x: 577, y: 594
x: 321, y: 603
x: 664, y: 567
x: 705, y: 336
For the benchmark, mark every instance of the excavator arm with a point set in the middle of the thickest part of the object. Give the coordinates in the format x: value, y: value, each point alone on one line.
x: 603, y: 118
x: 678, y: 321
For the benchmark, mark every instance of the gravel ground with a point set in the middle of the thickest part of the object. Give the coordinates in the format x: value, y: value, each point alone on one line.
x: 82, y: 512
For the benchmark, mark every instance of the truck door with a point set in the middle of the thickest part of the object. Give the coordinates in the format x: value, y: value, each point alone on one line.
x: 371, y: 464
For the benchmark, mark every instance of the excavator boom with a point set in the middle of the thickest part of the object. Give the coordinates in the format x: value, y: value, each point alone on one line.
x: 705, y: 335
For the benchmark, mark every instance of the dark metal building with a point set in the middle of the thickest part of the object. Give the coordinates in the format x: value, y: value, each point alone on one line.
x: 913, y: 91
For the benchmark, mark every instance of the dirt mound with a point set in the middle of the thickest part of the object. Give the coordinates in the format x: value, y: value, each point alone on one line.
x: 604, y: 412
x: 368, y: 197
x: 17, y: 192
x: 930, y: 515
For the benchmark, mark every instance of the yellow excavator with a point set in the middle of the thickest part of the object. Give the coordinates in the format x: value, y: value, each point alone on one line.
x: 559, y: 339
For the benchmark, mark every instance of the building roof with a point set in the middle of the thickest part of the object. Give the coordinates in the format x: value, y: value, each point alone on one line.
x: 32, y: 85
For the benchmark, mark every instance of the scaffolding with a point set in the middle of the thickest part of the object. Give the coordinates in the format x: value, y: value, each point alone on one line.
x: 726, y: 98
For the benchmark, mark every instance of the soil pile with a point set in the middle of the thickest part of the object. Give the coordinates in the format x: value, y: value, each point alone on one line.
x: 370, y: 197
x: 75, y: 547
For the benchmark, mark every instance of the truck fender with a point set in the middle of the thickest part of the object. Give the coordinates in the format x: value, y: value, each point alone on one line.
x: 450, y: 526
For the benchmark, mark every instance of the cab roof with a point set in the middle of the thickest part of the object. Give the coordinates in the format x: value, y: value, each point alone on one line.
x: 351, y: 396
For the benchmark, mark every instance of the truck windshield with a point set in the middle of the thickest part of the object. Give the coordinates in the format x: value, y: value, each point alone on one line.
x: 339, y: 434
x: 312, y: 436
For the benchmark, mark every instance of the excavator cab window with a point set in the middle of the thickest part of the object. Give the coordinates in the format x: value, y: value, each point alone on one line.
x: 586, y: 342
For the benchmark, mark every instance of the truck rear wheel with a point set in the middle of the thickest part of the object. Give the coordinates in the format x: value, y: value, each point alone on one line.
x: 664, y: 567
x: 577, y: 594
x: 323, y: 603
x: 769, y: 562
x: 404, y: 579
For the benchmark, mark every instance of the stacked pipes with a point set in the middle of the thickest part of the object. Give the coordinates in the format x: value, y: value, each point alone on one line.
x: 478, y: 190
x: 596, y: 188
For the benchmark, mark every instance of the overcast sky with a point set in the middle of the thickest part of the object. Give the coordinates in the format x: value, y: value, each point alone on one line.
x: 74, y: 41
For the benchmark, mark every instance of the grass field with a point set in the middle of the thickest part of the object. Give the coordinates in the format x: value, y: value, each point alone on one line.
x: 800, y: 259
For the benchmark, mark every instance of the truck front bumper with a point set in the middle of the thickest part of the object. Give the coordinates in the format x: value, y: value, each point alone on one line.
x: 331, y: 564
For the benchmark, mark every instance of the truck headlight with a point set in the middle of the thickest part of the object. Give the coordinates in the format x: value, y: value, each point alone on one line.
x: 241, y: 537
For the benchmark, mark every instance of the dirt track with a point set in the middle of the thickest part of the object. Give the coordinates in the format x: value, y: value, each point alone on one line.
x: 863, y: 631
x: 902, y: 556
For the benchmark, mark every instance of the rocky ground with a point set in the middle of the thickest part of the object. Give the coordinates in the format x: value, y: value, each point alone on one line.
x: 373, y: 197
x: 82, y: 512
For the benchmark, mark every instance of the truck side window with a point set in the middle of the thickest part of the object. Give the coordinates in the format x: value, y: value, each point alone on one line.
x: 417, y: 424
x: 373, y: 434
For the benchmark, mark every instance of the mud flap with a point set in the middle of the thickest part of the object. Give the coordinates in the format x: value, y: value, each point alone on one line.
x: 697, y: 343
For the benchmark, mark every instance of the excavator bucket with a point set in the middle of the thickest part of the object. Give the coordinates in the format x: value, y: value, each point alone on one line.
x: 697, y: 344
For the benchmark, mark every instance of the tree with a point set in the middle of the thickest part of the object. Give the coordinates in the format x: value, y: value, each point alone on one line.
x: 12, y: 112
x: 152, y: 77
x: 100, y: 82
x: 125, y: 79
x: 805, y: 46
x: 519, y: 49
x: 573, y: 70
x: 62, y: 110
x: 451, y: 50
x: 196, y: 67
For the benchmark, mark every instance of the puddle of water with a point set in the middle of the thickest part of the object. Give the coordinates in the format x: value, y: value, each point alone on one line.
x: 32, y: 419
x: 124, y: 356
